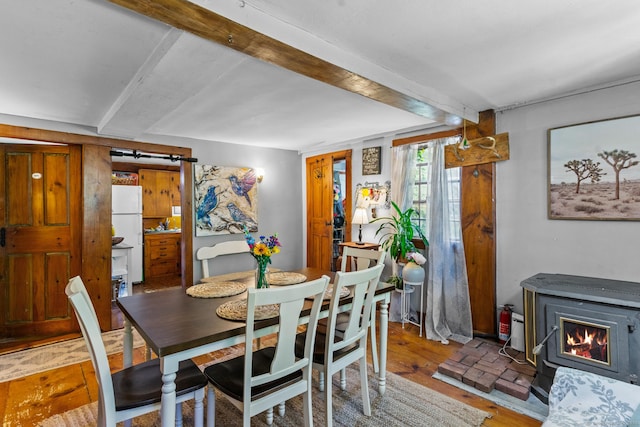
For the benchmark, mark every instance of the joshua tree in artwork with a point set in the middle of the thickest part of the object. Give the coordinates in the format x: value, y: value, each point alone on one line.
x: 619, y: 159
x: 584, y: 169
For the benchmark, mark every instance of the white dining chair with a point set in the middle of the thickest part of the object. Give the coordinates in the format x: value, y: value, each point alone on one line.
x: 336, y: 349
x: 361, y: 259
x: 136, y: 390
x: 269, y: 376
x: 208, y: 253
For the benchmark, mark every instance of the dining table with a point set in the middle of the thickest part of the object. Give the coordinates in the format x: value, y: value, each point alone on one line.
x: 177, y: 327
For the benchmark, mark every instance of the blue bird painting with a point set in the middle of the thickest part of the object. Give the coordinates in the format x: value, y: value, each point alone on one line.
x: 208, y: 203
x: 242, y: 186
x: 241, y: 217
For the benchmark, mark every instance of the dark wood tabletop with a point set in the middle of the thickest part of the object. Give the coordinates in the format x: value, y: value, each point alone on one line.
x: 171, y: 321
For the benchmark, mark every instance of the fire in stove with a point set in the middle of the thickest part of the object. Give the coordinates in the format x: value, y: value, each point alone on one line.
x: 586, y: 340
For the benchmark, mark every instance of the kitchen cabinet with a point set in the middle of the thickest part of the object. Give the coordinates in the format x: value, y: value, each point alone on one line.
x: 160, y: 189
x: 161, y: 254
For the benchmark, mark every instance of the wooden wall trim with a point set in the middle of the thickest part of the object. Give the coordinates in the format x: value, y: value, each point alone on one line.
x: 426, y: 137
x: 45, y: 135
x: 96, y: 230
x: 478, y: 219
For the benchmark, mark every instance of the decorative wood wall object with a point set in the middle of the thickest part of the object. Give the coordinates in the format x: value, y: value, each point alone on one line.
x: 487, y: 149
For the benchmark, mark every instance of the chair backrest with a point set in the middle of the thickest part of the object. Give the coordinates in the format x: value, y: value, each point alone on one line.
x: 207, y: 253
x: 292, y: 301
x: 362, y: 284
x: 364, y: 258
x: 81, y: 302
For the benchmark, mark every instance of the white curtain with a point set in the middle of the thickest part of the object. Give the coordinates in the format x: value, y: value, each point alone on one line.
x: 402, y: 175
x: 403, y: 162
x: 448, y: 308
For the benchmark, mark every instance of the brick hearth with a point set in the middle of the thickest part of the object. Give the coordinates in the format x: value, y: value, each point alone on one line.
x: 479, y: 365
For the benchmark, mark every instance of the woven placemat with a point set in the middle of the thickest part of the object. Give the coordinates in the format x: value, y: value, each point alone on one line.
x: 237, y: 310
x: 216, y: 289
x: 285, y: 278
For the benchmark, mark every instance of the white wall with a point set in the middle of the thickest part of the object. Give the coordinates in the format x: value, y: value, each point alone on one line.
x: 279, y: 205
x: 529, y: 243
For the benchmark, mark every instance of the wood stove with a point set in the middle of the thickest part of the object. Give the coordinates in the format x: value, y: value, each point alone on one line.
x: 590, y: 324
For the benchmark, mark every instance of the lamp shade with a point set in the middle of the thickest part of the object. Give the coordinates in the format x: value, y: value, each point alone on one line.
x: 360, y: 216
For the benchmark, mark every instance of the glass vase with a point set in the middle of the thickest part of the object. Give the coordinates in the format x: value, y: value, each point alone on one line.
x: 262, y: 272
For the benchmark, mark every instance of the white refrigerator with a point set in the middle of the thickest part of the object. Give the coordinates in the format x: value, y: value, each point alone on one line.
x: 126, y: 218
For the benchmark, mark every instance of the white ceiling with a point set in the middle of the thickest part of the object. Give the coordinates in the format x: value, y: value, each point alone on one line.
x: 94, y: 64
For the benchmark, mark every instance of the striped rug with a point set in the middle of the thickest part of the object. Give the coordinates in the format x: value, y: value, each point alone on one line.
x: 404, y: 404
x: 35, y: 360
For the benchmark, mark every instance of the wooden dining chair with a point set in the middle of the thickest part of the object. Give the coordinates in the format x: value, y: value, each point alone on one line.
x: 136, y: 390
x: 269, y: 376
x: 337, y: 349
x: 208, y: 253
x: 361, y: 259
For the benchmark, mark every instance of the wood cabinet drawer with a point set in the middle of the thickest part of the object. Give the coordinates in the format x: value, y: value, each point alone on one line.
x: 160, y: 268
x: 161, y: 254
x: 166, y: 241
x: 165, y: 252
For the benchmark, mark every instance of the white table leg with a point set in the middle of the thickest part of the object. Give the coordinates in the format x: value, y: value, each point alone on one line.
x: 374, y: 345
x: 168, y: 403
x: 127, y: 344
x: 384, y: 331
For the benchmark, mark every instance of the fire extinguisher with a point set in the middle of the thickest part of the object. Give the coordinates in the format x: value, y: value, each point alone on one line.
x: 504, y: 329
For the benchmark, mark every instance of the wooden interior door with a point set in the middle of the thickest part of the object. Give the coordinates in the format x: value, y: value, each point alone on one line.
x: 40, y: 208
x: 319, y: 212
x: 320, y: 207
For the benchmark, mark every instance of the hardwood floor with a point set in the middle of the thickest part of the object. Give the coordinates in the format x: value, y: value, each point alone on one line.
x: 26, y: 401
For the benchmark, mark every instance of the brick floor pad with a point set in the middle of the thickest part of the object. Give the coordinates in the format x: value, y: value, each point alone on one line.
x: 479, y: 365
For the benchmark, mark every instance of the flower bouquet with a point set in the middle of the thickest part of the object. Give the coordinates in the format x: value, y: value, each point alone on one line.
x: 262, y: 250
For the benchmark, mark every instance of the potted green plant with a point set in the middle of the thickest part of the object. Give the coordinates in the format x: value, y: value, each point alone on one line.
x: 396, y: 281
x: 396, y: 233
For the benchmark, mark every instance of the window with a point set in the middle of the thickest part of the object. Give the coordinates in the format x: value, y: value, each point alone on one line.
x: 422, y: 193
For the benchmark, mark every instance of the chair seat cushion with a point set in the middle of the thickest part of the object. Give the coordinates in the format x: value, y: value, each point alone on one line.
x: 141, y: 384
x: 319, y: 345
x: 228, y: 376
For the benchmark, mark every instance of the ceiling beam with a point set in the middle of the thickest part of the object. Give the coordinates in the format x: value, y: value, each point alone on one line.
x: 211, y: 26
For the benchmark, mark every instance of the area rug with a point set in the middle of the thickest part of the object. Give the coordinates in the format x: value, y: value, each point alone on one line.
x: 531, y: 407
x: 35, y: 360
x: 404, y: 403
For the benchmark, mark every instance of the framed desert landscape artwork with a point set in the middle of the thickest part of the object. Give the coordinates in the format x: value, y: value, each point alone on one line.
x: 594, y: 170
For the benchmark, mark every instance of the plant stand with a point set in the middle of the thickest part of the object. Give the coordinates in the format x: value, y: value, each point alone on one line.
x: 405, y: 304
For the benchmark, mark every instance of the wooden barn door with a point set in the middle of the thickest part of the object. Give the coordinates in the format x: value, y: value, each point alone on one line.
x: 40, y: 211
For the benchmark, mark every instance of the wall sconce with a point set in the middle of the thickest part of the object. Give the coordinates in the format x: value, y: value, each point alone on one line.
x: 360, y: 217
x: 259, y: 174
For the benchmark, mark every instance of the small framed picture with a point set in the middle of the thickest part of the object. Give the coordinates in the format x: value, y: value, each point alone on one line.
x: 371, y: 160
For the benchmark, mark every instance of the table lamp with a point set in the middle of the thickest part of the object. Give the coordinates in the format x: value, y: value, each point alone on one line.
x: 360, y: 217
